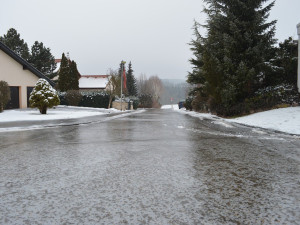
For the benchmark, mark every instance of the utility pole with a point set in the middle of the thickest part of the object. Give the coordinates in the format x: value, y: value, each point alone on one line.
x: 122, y: 70
x: 298, y: 31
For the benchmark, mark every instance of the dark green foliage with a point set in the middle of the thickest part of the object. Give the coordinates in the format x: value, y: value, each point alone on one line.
x: 263, y: 99
x: 43, y: 96
x: 284, y: 64
x: 42, y: 59
x: 14, y: 42
x: 188, y: 103
x: 96, y: 100
x: 64, y: 71
x: 266, y: 98
x: 145, y: 101
x: 131, y: 82
x: 135, y: 103
x: 73, y: 97
x: 4, y: 95
x: 231, y: 63
x: 68, y: 75
x: 40, y: 56
x: 73, y: 77
x: 89, y: 99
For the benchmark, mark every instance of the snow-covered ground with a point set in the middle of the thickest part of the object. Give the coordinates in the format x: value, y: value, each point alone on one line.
x: 285, y: 119
x: 175, y: 107
x: 60, y: 112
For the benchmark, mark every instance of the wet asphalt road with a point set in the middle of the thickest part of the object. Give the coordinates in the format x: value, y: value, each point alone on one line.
x: 154, y: 167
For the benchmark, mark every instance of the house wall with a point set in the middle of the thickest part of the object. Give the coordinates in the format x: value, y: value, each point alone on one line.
x: 117, y: 105
x: 13, y: 73
x: 91, y: 89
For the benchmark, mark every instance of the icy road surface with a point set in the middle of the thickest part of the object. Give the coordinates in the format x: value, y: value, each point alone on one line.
x: 155, y: 167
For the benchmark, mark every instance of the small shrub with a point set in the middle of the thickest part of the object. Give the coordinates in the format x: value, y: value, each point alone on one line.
x: 145, y: 101
x: 135, y: 103
x: 4, y: 95
x: 199, y: 103
x: 73, y: 97
x: 188, y: 103
x: 43, y: 96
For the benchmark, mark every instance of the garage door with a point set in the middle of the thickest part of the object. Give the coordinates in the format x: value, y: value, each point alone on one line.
x: 14, y: 102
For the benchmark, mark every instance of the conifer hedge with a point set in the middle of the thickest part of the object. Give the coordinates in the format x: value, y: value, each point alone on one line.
x: 89, y: 99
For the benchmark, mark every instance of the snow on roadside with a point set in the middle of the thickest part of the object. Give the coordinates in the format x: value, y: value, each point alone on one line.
x: 285, y: 120
x: 175, y: 107
x: 61, y: 112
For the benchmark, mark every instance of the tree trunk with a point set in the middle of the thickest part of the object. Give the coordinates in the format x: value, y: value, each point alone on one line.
x: 43, y: 110
x: 109, y: 102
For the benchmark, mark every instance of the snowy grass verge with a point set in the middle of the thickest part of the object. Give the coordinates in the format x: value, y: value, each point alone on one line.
x: 63, y: 115
x: 285, y: 120
x: 60, y: 112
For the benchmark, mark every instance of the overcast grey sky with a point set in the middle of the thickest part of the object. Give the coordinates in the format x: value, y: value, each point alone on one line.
x: 98, y: 34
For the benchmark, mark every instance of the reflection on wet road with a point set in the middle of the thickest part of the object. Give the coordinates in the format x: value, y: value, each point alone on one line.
x: 155, y: 167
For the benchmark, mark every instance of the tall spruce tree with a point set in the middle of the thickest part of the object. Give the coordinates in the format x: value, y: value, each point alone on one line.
x: 63, y: 74
x: 42, y: 59
x: 131, y: 81
x: 14, y: 42
x: 232, y: 60
x: 284, y: 64
x: 73, y: 77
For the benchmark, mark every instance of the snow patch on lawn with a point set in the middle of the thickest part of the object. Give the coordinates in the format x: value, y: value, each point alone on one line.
x: 60, y: 113
x: 285, y: 120
x: 52, y: 114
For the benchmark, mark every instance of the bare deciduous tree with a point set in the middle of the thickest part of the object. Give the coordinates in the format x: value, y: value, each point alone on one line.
x: 113, y: 85
x: 151, y: 87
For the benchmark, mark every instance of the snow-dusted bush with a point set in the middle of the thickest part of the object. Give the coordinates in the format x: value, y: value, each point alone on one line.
x: 43, y: 96
x: 73, y: 97
x: 4, y: 94
x: 94, y: 99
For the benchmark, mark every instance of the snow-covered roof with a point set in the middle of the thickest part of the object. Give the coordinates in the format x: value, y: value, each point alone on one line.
x: 93, y: 81
x: 58, y: 62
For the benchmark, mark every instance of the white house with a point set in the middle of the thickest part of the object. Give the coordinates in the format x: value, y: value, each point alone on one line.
x: 20, y: 75
x: 93, y: 82
x: 87, y: 82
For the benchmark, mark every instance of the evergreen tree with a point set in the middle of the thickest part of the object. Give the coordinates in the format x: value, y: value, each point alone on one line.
x: 63, y: 74
x: 284, y: 64
x: 42, y: 59
x: 73, y: 77
x: 14, y: 42
x: 43, y: 96
x: 131, y: 81
x: 232, y: 60
x: 4, y: 94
